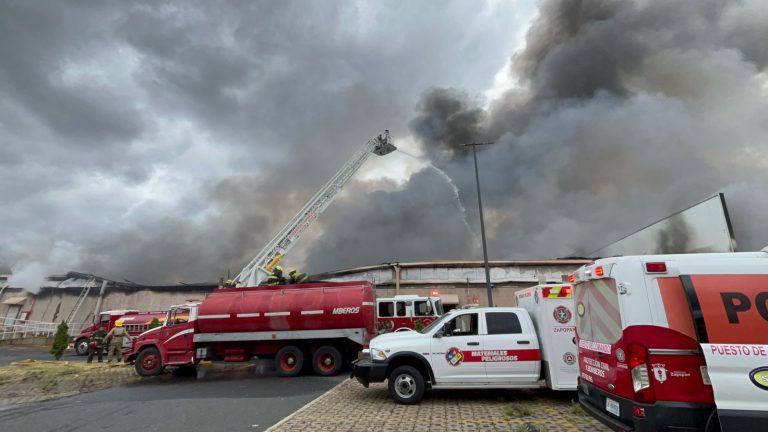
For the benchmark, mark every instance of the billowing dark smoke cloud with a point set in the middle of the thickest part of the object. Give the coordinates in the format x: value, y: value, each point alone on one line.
x: 169, y: 141
x: 625, y: 112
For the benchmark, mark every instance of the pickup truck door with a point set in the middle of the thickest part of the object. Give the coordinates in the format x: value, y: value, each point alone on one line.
x: 511, y: 352
x: 452, y: 355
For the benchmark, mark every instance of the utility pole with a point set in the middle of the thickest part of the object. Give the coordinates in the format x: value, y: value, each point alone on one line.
x: 482, y: 222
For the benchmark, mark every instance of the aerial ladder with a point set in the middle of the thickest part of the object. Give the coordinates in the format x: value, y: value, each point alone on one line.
x: 260, y: 267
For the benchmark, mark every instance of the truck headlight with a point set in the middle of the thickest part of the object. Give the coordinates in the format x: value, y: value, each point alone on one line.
x: 377, y: 354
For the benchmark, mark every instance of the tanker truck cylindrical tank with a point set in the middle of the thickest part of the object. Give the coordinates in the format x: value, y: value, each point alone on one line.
x: 322, y: 306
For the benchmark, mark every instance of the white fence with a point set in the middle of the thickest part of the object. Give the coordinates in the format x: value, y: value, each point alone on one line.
x: 12, y: 328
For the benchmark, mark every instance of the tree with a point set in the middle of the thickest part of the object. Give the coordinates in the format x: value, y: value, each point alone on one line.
x: 154, y: 323
x: 60, y: 341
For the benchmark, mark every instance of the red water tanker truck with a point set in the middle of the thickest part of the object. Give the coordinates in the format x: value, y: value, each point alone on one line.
x: 322, y: 324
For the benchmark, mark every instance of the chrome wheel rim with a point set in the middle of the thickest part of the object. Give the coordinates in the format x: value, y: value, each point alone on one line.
x: 405, y: 386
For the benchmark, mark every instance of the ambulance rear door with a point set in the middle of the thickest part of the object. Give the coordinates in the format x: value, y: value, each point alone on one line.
x: 557, y: 331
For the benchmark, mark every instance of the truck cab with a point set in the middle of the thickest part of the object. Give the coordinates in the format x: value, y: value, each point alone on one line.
x: 406, y: 312
x: 106, y: 319
x: 466, y: 348
x: 170, y: 344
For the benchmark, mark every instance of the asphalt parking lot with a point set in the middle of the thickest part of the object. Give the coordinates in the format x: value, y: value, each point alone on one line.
x: 12, y: 353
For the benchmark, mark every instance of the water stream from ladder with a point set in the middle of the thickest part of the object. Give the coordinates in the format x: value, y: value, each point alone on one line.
x: 450, y: 182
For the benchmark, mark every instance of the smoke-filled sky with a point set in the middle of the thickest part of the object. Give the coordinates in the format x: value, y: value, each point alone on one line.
x: 169, y: 141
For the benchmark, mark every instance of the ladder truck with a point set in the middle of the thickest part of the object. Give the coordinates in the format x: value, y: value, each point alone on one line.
x: 259, y: 268
x: 325, y: 323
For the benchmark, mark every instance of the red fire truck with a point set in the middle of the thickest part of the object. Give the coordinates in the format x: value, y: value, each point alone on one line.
x: 324, y: 324
x: 135, y: 323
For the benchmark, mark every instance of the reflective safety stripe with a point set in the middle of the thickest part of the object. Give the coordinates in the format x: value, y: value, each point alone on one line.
x: 181, y: 333
x: 604, y: 312
x: 312, y: 312
x: 277, y: 313
x: 248, y: 315
x: 213, y: 316
x: 367, y: 303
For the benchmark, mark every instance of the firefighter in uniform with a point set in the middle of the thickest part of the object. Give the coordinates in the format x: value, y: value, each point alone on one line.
x: 115, y: 339
x: 276, y: 277
x: 296, y: 277
x: 96, y: 345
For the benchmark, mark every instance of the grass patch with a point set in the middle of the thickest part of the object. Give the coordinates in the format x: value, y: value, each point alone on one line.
x: 576, y: 409
x: 30, y: 378
x: 516, y: 410
x: 530, y: 427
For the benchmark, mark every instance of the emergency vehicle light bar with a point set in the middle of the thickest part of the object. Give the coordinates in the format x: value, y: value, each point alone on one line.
x: 656, y: 267
x: 556, y: 292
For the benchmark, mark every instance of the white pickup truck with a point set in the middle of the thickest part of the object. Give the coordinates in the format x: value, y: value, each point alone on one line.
x: 490, y: 347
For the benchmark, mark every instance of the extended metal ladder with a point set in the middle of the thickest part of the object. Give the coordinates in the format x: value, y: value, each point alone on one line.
x: 80, y: 301
x: 259, y: 267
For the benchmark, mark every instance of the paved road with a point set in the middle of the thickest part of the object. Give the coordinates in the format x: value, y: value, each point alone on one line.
x: 12, y: 353
x: 239, y: 397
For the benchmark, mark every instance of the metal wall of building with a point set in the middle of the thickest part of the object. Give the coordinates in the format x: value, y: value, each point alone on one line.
x: 465, y: 280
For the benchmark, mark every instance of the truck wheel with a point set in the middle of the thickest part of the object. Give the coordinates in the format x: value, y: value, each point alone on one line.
x: 406, y: 385
x: 289, y: 361
x: 81, y: 347
x: 327, y: 361
x: 149, y: 362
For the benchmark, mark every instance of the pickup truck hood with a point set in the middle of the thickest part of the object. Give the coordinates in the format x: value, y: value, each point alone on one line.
x: 398, y: 339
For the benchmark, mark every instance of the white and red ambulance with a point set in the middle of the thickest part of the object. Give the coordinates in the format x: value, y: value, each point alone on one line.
x: 674, y: 342
x: 551, y: 309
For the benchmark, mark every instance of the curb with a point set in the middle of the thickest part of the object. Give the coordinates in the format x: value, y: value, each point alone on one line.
x: 300, y: 410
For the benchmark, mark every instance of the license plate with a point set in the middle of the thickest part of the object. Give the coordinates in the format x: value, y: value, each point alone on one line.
x: 612, y: 406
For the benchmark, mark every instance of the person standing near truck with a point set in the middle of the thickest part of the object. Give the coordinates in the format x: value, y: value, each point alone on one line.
x: 115, y: 340
x: 96, y: 345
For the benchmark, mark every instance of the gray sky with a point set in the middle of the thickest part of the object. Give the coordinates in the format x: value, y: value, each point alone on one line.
x: 168, y: 141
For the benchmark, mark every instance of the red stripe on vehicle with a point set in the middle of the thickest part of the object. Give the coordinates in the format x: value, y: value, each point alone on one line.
x: 496, y: 356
